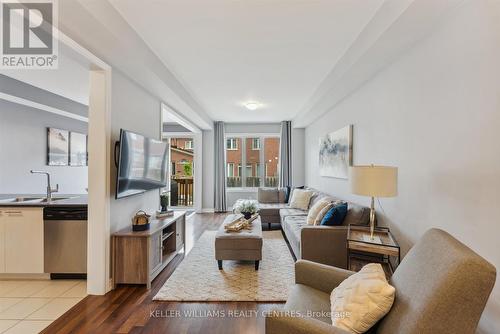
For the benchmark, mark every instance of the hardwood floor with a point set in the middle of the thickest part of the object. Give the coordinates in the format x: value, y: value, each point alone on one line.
x: 130, y: 308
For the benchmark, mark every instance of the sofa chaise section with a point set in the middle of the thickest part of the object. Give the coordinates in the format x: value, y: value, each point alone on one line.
x: 270, y: 202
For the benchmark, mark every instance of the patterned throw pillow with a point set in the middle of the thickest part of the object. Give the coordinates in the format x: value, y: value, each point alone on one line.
x: 362, y: 299
x: 315, y: 210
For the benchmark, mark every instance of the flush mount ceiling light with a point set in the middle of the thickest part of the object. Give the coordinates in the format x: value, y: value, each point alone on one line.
x: 251, y: 105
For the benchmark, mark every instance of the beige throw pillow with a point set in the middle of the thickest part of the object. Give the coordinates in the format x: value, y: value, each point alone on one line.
x: 315, y: 210
x: 361, y: 300
x: 323, y: 212
x: 300, y: 199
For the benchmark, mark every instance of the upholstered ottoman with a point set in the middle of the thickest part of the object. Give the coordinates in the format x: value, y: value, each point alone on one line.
x: 243, y: 245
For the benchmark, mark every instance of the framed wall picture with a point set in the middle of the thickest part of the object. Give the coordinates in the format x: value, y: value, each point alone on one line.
x: 57, y: 147
x: 335, y: 153
x: 77, y: 149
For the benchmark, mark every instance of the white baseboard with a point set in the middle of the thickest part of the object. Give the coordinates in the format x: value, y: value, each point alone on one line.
x: 207, y: 210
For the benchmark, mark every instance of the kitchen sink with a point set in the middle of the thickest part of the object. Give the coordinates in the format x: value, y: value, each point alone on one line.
x: 31, y: 199
x: 22, y: 199
x: 55, y: 199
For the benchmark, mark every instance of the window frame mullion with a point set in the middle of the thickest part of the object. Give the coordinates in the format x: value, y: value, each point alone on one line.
x: 262, y: 162
x: 243, y: 162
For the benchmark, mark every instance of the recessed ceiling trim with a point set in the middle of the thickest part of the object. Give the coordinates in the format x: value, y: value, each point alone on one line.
x: 44, y: 107
x: 170, y: 114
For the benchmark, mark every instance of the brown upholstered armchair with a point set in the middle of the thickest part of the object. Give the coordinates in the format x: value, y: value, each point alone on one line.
x: 441, y: 287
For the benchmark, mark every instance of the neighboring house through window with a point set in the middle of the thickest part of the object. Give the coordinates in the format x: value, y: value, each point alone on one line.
x: 252, y: 161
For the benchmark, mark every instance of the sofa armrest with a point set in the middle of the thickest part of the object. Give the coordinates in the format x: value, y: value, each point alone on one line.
x: 319, y: 276
x: 324, y: 244
x: 279, y: 322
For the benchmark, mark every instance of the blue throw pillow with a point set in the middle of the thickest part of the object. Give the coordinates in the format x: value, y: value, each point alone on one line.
x: 335, y: 216
x: 288, y: 189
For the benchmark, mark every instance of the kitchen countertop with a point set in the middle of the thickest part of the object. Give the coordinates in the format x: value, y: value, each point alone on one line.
x: 74, y: 200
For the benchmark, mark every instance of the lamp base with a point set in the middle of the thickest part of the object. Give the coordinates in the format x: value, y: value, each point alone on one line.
x: 372, y: 218
x: 374, y: 239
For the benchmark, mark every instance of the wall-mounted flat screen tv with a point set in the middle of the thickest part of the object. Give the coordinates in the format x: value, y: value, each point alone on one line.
x: 142, y: 164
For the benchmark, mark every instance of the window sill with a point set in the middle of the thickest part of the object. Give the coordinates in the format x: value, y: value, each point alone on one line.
x: 241, y: 190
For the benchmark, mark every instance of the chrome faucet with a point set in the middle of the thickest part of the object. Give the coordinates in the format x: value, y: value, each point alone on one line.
x: 49, y: 187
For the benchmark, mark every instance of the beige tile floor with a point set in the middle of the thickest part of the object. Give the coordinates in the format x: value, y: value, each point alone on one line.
x: 28, y: 307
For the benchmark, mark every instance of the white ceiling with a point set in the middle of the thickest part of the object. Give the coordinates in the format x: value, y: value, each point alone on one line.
x: 227, y: 52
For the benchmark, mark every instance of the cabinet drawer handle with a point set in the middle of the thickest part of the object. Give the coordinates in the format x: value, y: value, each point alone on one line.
x: 14, y: 212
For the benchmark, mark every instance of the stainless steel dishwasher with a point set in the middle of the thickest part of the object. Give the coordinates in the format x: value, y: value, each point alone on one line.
x: 65, y: 241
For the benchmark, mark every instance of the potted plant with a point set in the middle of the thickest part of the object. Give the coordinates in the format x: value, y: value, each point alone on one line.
x: 164, y: 199
x: 247, y: 208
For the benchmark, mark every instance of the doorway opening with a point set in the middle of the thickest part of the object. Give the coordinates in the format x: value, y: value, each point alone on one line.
x: 184, y: 173
x: 181, y: 171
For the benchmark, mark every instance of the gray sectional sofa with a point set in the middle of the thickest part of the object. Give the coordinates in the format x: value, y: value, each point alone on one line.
x: 321, y: 244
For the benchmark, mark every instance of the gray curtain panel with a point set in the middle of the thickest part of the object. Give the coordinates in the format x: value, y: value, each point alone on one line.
x: 220, y: 168
x: 286, y: 154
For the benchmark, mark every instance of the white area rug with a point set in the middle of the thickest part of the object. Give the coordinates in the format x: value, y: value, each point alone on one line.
x: 198, y: 278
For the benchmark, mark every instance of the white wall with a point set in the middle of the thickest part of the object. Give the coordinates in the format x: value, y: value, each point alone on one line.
x: 23, y: 146
x: 298, y: 151
x: 252, y: 128
x: 434, y: 113
x: 136, y: 110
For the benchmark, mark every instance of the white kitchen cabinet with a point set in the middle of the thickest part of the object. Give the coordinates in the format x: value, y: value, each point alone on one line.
x: 23, y: 236
x: 2, y: 243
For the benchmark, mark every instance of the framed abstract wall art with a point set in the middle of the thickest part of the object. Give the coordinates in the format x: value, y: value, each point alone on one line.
x: 66, y: 148
x: 77, y: 149
x: 57, y: 147
x: 335, y: 153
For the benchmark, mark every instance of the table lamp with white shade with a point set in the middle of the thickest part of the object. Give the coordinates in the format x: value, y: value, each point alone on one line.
x: 374, y: 181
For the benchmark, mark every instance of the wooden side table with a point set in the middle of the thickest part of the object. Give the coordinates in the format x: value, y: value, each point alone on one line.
x: 362, y: 250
